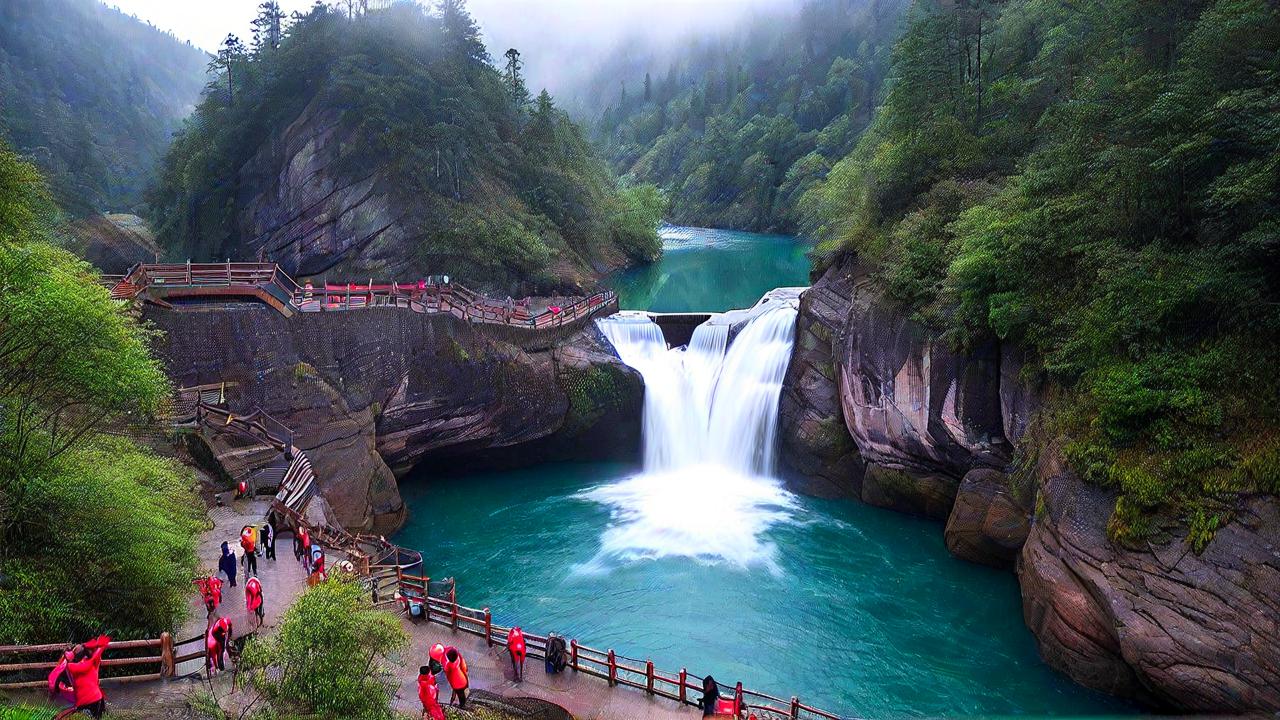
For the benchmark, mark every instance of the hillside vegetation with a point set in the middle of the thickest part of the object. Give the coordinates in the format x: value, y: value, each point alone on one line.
x: 737, y: 128
x: 96, y: 533
x: 91, y: 96
x: 1096, y: 181
x: 494, y: 186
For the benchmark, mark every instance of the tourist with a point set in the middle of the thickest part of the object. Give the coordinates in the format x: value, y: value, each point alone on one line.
x: 306, y: 550
x: 216, y: 641
x: 84, y: 678
x: 455, y: 671
x: 60, y: 684
x: 253, y: 598
x: 557, y: 655
x: 297, y: 545
x: 516, y: 645
x: 317, y: 562
x: 227, y: 564
x: 248, y: 542
x: 710, y: 696
x: 429, y: 694
x: 242, y: 490
x: 210, y: 591
x: 269, y: 540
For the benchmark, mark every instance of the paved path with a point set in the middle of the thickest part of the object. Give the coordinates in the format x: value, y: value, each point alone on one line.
x: 586, y: 697
x: 283, y: 580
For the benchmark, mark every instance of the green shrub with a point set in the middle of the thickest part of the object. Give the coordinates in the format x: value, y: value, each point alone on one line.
x: 328, y: 659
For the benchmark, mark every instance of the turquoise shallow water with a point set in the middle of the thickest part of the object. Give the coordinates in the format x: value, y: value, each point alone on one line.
x: 713, y: 270
x: 854, y: 609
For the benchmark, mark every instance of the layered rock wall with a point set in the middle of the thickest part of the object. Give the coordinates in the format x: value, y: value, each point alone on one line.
x: 926, y: 430
x: 370, y: 394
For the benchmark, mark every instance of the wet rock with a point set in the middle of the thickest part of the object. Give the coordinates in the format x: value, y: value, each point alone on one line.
x: 988, y: 524
x: 1183, y: 631
x: 909, y: 491
x: 818, y: 455
x: 372, y: 394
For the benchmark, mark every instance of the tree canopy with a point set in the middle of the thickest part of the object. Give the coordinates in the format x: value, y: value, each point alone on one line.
x: 1096, y: 181
x: 738, y: 127
x: 95, y: 532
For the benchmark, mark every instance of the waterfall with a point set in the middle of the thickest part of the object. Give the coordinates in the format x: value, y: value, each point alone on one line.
x: 711, y: 402
x: 710, y: 427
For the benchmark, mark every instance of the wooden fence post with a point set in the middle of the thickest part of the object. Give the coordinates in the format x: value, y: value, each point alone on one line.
x: 488, y: 627
x: 795, y: 708
x: 648, y: 674
x: 613, y: 669
x: 684, y: 680
x: 167, y: 667
x: 454, y: 619
x: 737, y: 694
x: 573, y: 649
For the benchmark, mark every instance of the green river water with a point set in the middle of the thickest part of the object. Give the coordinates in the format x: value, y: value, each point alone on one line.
x: 855, y: 609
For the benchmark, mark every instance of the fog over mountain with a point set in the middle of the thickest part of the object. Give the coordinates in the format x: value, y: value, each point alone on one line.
x: 563, y: 41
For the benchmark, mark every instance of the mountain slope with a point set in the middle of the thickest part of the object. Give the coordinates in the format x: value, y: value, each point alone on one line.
x: 1097, y: 186
x: 738, y: 127
x: 92, y: 96
x: 386, y: 144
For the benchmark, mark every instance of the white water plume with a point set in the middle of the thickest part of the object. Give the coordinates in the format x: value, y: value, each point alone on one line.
x: 710, y: 422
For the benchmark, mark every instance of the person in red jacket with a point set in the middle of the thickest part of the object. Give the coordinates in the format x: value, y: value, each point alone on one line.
x: 249, y: 541
x: 84, y: 679
x: 216, y: 641
x: 253, y: 598
x: 429, y: 694
x: 455, y: 671
x: 519, y: 651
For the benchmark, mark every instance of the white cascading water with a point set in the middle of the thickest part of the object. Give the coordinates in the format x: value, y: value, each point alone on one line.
x: 710, y: 420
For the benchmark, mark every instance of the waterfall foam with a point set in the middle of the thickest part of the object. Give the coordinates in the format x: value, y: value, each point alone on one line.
x: 710, y: 420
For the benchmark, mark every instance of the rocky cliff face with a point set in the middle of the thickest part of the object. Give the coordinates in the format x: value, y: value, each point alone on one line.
x: 305, y: 207
x: 933, y: 433
x: 370, y: 394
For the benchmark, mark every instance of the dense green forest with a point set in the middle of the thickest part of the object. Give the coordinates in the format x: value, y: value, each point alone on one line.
x: 737, y: 128
x: 504, y: 187
x: 1097, y: 181
x: 91, y: 96
x: 96, y: 532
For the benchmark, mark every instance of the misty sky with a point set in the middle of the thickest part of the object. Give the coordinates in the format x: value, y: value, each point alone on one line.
x: 557, y: 37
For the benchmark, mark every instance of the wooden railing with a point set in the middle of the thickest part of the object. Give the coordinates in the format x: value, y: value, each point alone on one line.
x: 607, y: 665
x: 126, y: 669
x: 422, y: 297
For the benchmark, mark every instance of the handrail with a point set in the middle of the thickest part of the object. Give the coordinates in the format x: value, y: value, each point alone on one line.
x: 433, y: 298
x: 156, y: 666
x: 608, y: 665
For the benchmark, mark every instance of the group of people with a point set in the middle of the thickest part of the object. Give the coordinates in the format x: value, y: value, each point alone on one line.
x: 446, y: 659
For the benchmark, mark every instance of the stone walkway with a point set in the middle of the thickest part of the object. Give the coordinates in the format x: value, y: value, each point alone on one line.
x: 283, y: 580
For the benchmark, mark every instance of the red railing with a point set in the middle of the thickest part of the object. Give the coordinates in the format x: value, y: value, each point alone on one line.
x: 423, y: 297
x: 604, y: 664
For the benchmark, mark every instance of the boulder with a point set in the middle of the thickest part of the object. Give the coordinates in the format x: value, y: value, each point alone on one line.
x: 909, y: 491
x: 987, y: 524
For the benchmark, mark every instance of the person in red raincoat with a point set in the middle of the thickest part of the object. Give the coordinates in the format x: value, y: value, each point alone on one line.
x: 84, y: 678
x: 253, y: 598
x: 60, y: 679
x: 216, y: 641
x: 429, y: 694
x: 455, y: 671
x: 519, y: 651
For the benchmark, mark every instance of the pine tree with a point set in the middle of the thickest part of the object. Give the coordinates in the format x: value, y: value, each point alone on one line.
x: 515, y: 83
x: 461, y: 34
x: 231, y: 52
x: 268, y: 28
x: 648, y: 88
